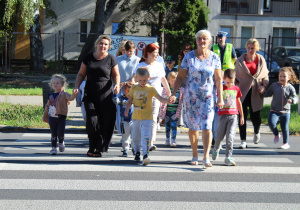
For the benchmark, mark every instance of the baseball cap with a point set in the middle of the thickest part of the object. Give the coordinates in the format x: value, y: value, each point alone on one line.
x: 170, y: 58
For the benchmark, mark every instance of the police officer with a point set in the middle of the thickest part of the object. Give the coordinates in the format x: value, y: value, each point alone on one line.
x: 225, y: 51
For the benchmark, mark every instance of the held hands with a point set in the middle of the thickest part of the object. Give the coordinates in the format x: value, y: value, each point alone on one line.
x: 172, y: 99
x: 261, y: 89
x: 289, y: 101
x: 126, y: 112
x: 75, y: 91
x: 220, y: 104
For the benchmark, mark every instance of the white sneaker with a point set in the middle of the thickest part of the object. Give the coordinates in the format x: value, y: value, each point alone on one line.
x: 230, y: 162
x: 167, y: 142
x: 243, y: 145
x: 158, y: 126
x: 285, y: 146
x: 173, y: 144
x: 53, y: 151
x: 153, y: 147
x: 61, y: 147
x: 146, y: 160
x: 256, y: 138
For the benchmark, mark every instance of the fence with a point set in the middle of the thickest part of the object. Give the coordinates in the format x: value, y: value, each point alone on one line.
x: 61, y: 50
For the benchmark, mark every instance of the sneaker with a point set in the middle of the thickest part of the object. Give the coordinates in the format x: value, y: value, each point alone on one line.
x: 243, y: 145
x: 167, y: 142
x: 158, y: 127
x: 276, y: 139
x: 229, y: 162
x: 53, y: 151
x: 256, y: 138
x: 215, y: 154
x: 125, y: 153
x: 285, y: 146
x: 137, y: 157
x: 173, y: 144
x: 61, y: 147
x: 153, y: 147
x: 146, y: 160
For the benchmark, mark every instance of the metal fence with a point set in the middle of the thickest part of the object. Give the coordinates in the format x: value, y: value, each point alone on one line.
x: 61, y: 50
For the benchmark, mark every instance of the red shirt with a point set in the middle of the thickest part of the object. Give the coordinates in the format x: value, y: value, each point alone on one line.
x: 252, y: 66
x: 230, y: 96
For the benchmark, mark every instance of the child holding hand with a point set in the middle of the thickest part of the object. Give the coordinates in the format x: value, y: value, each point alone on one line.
x: 141, y: 97
x: 56, y: 111
x: 227, y: 117
x: 284, y: 94
x: 171, y: 112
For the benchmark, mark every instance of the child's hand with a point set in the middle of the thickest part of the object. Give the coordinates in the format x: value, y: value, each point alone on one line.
x: 289, y: 101
x: 172, y: 99
x: 174, y: 117
x: 242, y: 120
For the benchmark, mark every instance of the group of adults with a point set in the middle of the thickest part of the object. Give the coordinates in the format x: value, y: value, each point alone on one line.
x: 200, y: 69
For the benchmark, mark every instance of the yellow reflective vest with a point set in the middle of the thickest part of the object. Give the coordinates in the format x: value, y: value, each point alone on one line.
x: 227, y: 59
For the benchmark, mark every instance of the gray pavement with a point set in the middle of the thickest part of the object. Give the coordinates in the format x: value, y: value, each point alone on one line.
x: 76, y: 123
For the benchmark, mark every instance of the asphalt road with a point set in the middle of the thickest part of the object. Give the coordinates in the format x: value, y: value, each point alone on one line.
x: 265, y: 177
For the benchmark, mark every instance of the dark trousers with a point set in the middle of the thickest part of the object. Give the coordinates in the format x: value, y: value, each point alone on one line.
x: 57, y: 129
x: 100, y: 122
x: 254, y: 117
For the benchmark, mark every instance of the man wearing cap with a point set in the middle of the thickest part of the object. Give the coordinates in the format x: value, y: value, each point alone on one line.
x: 225, y: 51
x: 170, y: 63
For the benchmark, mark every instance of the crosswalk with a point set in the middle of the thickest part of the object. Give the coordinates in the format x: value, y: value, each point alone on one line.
x: 264, y: 178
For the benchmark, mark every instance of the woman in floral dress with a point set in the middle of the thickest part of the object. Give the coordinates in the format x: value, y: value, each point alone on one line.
x: 200, y: 65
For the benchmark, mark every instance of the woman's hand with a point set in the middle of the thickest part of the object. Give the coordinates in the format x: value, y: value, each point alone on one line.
x: 117, y: 89
x: 172, y: 99
x: 75, y: 91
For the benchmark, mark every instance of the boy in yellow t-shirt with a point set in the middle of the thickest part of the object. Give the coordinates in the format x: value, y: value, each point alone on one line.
x: 141, y: 97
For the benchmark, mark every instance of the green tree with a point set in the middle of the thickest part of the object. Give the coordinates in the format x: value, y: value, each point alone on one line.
x: 103, y: 11
x: 26, y: 13
x: 173, y: 17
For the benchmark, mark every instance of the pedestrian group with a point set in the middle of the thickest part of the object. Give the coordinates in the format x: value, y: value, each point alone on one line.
x: 209, y: 87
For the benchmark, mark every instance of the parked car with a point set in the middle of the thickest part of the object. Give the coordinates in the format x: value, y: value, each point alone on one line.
x: 273, y: 72
x: 287, y: 56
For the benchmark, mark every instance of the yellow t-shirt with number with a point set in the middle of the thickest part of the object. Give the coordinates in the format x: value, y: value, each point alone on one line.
x: 142, y: 101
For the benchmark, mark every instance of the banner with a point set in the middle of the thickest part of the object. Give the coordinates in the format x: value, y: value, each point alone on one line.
x: 140, y: 43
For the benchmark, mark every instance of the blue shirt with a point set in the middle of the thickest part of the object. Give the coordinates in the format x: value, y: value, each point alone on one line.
x: 123, y: 102
x: 126, y: 66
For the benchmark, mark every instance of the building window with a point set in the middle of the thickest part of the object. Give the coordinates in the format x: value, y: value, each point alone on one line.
x: 284, y: 37
x: 267, y: 5
x: 84, y: 28
x: 247, y: 33
x: 115, y: 29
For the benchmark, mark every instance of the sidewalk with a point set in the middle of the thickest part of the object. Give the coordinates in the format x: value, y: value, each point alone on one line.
x: 76, y: 123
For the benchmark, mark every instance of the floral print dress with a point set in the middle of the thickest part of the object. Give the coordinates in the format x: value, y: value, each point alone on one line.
x: 199, y: 93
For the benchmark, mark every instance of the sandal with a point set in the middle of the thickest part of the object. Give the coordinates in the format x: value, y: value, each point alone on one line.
x: 206, y: 163
x: 97, y: 154
x: 194, y: 161
x: 90, y: 153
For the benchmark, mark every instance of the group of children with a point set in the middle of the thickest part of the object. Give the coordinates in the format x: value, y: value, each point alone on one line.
x: 136, y: 112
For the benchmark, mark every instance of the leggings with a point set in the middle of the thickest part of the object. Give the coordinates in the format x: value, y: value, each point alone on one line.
x: 254, y: 116
x: 57, y: 129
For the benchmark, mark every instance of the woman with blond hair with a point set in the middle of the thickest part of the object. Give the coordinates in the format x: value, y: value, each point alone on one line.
x: 251, y: 74
x: 101, y: 69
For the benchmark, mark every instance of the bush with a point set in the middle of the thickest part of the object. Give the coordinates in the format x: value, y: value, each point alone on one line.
x: 28, y: 116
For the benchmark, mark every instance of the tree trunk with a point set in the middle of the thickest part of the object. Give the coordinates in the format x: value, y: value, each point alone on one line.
x: 13, y: 38
x: 103, y: 11
x: 36, y: 46
x: 161, y: 25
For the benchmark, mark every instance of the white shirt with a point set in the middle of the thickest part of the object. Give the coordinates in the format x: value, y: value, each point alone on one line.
x: 156, y: 73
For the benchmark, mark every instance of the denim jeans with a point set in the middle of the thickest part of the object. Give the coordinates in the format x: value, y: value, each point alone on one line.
x: 284, y: 124
x: 171, y: 124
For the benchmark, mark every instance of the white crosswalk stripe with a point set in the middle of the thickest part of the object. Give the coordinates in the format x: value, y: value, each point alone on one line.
x: 32, y: 179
